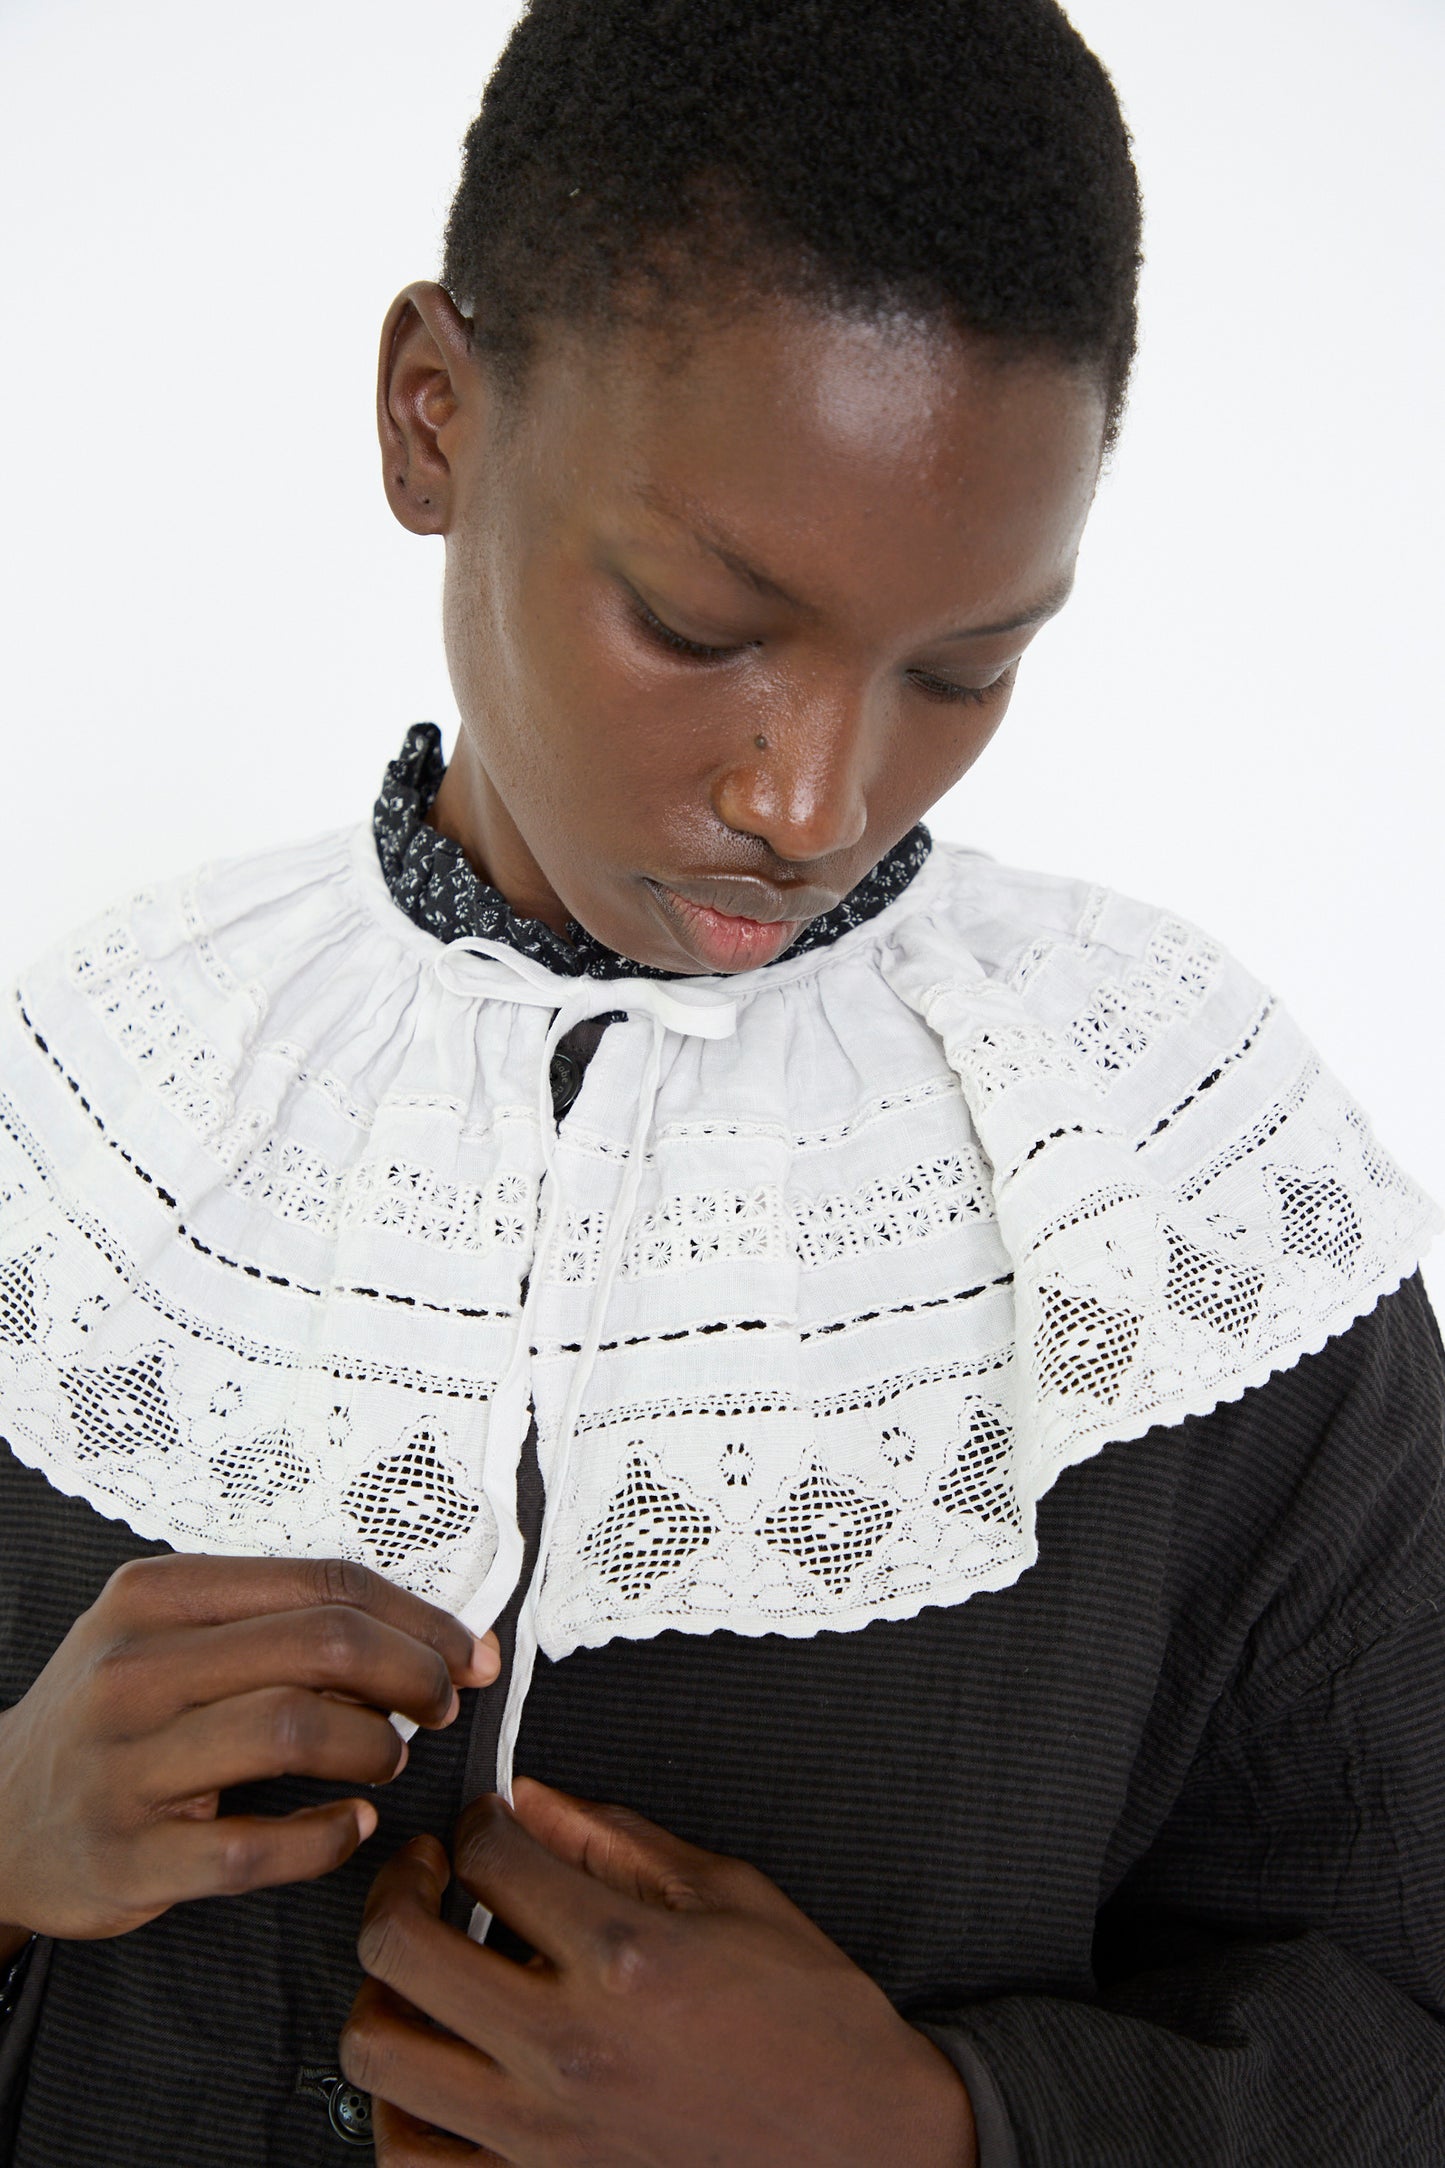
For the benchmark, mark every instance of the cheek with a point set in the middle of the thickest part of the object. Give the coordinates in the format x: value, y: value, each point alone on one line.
x: 508, y: 666
x: 983, y: 724
x: 592, y: 760
x: 933, y: 747
x: 474, y: 630
x: 629, y: 736
x: 986, y: 724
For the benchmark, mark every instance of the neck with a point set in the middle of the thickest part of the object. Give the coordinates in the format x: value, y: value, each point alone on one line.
x: 468, y: 811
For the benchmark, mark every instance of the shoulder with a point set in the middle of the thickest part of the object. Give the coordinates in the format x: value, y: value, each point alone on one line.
x: 237, y: 917
x: 1077, y: 983
x: 1341, y: 1455
x: 169, y: 989
x: 1017, y: 922
x: 1332, y: 1475
x: 1192, y: 1200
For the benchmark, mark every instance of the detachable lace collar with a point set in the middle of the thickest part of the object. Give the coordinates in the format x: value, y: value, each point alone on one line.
x: 829, y: 1273
x: 429, y: 877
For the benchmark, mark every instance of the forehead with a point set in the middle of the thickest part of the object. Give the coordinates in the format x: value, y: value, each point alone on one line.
x: 824, y: 440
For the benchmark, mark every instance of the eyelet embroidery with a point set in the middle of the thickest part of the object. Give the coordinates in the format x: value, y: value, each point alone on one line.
x: 253, y: 1298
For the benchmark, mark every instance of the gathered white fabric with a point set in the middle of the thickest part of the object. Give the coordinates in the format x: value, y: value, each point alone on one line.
x: 830, y: 1271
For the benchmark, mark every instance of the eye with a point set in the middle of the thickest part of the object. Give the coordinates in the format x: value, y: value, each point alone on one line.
x: 976, y: 695
x: 676, y: 642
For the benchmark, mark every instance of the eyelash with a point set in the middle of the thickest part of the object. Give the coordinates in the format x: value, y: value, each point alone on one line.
x: 678, y: 644
x: 971, y: 695
x: 676, y: 641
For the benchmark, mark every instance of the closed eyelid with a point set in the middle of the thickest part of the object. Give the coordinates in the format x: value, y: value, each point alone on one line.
x: 664, y: 615
x: 942, y: 688
x: 666, y: 635
x: 659, y: 622
x: 703, y: 535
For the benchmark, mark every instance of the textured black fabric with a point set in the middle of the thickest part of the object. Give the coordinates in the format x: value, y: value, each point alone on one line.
x: 430, y: 878
x: 12, y: 1978
x: 17, y: 2035
x: 994, y: 2136
x: 1156, y: 1836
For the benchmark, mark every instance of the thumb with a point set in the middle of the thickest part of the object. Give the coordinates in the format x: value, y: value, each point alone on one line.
x: 621, y: 1848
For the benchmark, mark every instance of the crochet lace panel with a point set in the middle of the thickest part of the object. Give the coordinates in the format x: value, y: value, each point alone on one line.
x: 1012, y: 1170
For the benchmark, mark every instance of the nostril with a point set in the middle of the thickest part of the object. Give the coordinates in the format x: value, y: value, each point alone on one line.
x: 807, y: 801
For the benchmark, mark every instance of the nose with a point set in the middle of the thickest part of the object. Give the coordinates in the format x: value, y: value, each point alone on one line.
x: 804, y: 791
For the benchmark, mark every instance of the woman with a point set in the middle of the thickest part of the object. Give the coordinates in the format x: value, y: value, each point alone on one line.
x: 933, y: 1414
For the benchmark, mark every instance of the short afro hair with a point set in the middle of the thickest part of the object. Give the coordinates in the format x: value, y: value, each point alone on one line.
x: 960, y: 160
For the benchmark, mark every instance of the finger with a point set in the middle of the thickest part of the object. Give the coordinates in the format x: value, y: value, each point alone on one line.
x: 552, y: 1902
x: 484, y: 1663
x: 496, y: 2006
x: 177, y: 1860
x: 623, y: 1850
x: 275, y: 1732
x: 418, y: 1873
x: 332, y: 1648
x: 403, y: 2142
x: 439, y: 2083
x: 194, y: 1589
x: 616, y: 1846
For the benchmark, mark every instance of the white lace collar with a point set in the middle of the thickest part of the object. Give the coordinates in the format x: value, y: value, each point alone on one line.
x: 816, y: 1309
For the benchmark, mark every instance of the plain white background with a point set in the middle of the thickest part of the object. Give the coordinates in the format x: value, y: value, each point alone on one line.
x: 214, y: 634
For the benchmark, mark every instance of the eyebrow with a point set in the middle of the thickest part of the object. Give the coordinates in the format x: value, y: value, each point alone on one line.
x: 701, y: 530
x: 1048, y: 606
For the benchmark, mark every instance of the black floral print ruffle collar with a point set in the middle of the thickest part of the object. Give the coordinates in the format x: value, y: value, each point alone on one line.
x: 430, y: 879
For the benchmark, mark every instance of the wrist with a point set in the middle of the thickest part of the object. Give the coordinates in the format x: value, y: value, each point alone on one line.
x: 944, y: 2132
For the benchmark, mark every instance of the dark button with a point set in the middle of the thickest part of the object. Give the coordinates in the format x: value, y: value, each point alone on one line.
x: 565, y: 1077
x: 348, y: 2109
x: 350, y: 2113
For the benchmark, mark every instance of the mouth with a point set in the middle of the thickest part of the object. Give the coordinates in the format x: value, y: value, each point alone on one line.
x: 725, y: 940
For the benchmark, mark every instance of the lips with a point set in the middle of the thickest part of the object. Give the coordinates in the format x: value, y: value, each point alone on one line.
x: 723, y: 940
x: 763, y: 903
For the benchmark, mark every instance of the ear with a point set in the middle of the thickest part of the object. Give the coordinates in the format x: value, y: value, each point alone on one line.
x: 426, y: 377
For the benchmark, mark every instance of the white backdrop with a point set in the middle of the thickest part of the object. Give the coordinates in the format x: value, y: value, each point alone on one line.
x: 214, y: 634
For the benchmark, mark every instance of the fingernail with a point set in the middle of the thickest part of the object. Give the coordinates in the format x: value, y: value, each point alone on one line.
x: 486, y: 1662
x: 456, y: 1703
x: 365, y: 1818
x: 405, y: 1758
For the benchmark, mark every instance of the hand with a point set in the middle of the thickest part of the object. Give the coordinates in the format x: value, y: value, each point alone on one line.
x: 679, y: 2011
x: 192, y: 1674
